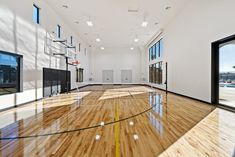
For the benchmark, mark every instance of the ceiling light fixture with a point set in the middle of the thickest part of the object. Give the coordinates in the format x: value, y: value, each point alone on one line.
x: 89, y: 22
x: 102, y: 48
x: 144, y: 24
x: 98, y: 39
x: 132, y: 48
x: 136, y: 39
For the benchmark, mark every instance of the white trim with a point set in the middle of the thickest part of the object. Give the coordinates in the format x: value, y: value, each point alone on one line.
x: 154, y: 38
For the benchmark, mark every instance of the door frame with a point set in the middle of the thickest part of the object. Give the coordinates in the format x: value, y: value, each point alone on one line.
x: 129, y: 81
x: 215, y: 71
x: 104, y: 80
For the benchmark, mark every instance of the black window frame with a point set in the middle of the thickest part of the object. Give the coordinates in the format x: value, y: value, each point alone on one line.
x: 58, y: 31
x: 156, y: 73
x: 19, y: 85
x: 155, y: 51
x: 38, y: 13
x: 71, y: 40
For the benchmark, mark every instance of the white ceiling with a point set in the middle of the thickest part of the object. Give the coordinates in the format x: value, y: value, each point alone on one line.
x: 115, y: 26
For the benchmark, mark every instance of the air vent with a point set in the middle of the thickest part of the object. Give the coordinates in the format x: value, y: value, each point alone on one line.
x: 133, y: 9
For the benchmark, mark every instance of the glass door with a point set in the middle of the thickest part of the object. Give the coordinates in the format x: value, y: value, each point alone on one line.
x: 227, y: 74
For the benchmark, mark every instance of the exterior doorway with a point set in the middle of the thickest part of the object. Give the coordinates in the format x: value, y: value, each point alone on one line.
x: 223, y: 72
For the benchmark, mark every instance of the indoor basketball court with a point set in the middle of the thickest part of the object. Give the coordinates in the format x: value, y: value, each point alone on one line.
x: 109, y: 78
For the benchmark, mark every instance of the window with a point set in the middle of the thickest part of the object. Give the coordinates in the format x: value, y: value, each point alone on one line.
x: 36, y: 15
x: 156, y: 50
x: 155, y: 73
x: 10, y: 68
x: 151, y: 73
x: 161, y: 48
x: 151, y: 53
x: 79, y: 75
x: 71, y: 40
x: 79, y: 47
x: 58, y: 31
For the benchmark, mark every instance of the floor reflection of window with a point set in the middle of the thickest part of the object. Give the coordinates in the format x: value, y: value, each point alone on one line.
x: 155, y: 101
x: 157, y: 124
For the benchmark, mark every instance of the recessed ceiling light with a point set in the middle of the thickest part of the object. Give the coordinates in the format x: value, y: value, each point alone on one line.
x: 102, y: 48
x: 132, y: 48
x: 65, y: 6
x: 167, y: 8
x: 97, y: 39
x: 144, y: 24
x: 136, y: 40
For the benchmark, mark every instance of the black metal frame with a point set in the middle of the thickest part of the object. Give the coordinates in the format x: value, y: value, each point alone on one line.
x: 215, y: 70
x: 58, y: 31
x: 20, y: 70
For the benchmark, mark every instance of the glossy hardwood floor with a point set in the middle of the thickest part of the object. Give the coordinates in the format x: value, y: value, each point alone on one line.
x: 138, y: 121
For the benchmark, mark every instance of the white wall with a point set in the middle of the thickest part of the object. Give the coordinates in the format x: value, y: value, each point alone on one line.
x: 18, y: 34
x: 115, y: 59
x: 187, y: 45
